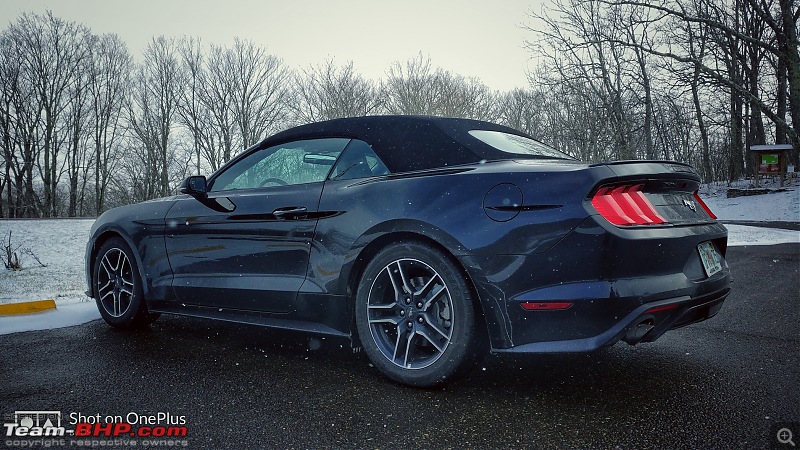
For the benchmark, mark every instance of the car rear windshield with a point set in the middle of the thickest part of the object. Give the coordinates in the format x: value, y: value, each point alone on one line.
x: 517, y: 145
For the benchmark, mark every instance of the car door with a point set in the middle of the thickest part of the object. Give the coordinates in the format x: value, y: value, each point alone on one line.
x: 246, y: 245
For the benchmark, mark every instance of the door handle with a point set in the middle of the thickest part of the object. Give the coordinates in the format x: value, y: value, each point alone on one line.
x: 291, y: 213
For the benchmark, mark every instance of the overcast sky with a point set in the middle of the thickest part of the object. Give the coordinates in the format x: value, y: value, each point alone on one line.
x: 470, y: 37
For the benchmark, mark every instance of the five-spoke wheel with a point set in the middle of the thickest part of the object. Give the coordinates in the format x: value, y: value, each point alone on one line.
x: 416, y: 317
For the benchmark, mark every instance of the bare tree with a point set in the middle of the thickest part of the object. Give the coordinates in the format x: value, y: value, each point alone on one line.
x: 328, y: 91
x: 697, y: 44
x: 411, y: 87
x: 109, y: 74
x: 190, y: 110
x: 576, y: 47
x: 260, y: 90
x: 212, y: 113
x: 151, y: 114
x: 740, y: 44
x: 522, y: 109
x: 9, y: 78
x: 674, y: 130
x: 416, y: 87
x: 54, y: 52
x: 782, y: 22
x: 232, y: 97
x: 464, y: 97
x: 21, y: 119
x: 75, y: 124
x: 640, y: 58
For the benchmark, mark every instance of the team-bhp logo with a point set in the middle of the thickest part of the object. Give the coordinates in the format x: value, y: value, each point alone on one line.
x: 35, y: 424
x: 690, y: 204
x: 52, y: 429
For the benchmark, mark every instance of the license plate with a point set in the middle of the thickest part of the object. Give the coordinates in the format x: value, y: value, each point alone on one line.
x: 710, y: 258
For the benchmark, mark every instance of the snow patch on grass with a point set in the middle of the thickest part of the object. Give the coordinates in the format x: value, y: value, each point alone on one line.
x: 58, y: 243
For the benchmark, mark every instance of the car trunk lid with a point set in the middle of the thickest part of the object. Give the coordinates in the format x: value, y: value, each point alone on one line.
x: 648, y: 193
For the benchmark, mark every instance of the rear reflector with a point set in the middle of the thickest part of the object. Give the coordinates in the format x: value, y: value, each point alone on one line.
x: 626, y: 205
x: 703, y: 204
x: 662, y: 308
x: 545, y: 306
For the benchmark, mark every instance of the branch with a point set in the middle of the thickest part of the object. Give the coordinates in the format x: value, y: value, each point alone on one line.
x: 713, y: 74
x: 694, y: 19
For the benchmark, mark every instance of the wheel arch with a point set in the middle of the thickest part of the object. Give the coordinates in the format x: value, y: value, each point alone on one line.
x: 101, y: 238
x: 372, y: 248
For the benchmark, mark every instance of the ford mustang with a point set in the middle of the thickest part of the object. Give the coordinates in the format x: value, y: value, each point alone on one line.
x: 426, y: 241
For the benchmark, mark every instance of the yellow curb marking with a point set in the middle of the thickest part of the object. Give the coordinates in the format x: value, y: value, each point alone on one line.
x: 26, y: 307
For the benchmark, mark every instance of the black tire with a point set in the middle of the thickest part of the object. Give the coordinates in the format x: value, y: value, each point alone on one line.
x: 118, y: 286
x: 416, y: 316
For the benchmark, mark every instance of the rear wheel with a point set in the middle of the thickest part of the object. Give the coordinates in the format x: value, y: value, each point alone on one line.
x: 118, y: 287
x: 416, y: 316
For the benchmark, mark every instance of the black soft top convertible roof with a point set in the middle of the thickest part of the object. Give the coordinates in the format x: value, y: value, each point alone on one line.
x: 406, y: 143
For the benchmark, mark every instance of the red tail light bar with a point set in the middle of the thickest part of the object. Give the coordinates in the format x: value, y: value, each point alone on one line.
x: 703, y: 204
x: 627, y: 205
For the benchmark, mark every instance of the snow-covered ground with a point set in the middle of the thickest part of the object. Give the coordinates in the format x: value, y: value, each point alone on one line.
x: 65, y: 315
x: 60, y: 245
x: 740, y: 235
x: 779, y: 206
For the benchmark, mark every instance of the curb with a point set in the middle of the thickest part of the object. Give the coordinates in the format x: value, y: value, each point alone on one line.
x: 780, y: 225
x: 11, y: 309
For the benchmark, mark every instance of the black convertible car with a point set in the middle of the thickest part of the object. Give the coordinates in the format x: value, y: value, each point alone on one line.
x: 426, y: 241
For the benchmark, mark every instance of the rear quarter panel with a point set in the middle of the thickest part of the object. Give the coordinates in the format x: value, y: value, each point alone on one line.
x: 448, y: 208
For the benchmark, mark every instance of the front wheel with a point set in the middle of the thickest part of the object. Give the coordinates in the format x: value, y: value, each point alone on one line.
x: 118, y: 287
x: 416, y: 317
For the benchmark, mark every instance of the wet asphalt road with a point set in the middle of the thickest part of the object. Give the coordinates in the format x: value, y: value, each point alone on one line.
x: 725, y: 383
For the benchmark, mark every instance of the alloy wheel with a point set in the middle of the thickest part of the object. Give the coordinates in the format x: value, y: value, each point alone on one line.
x: 410, y: 314
x: 115, y: 282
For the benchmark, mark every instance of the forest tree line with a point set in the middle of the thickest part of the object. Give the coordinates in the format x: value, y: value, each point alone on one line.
x: 86, y: 126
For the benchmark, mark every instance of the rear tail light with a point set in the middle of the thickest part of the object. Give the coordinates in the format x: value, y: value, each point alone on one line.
x: 703, y: 204
x: 627, y: 205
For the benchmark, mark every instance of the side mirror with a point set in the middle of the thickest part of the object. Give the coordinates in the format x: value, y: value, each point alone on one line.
x: 195, y: 186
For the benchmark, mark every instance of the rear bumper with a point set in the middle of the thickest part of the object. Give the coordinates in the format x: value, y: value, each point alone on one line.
x: 660, y: 317
x: 619, y: 284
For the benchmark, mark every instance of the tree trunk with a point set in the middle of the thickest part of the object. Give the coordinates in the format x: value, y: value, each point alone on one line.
x: 648, y: 104
x: 782, y: 95
x: 701, y: 124
x: 793, y: 71
x: 98, y: 191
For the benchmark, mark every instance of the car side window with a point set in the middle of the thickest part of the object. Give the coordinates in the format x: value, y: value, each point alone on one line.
x: 296, y: 162
x: 358, y: 161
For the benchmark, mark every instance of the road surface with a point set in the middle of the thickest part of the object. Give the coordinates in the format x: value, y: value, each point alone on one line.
x: 730, y: 382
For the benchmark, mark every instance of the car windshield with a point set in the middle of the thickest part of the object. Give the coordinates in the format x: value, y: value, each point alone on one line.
x: 517, y: 145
